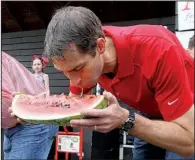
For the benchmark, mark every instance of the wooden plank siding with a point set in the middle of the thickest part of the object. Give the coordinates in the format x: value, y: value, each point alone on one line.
x: 23, y: 45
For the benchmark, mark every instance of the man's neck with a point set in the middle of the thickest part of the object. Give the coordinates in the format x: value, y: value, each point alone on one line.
x: 110, y: 58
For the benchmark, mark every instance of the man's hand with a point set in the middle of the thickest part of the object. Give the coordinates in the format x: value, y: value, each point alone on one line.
x: 11, y: 112
x: 103, y: 120
x: 14, y: 116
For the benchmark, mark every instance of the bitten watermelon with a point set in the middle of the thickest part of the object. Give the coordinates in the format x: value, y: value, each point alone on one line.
x: 55, y: 109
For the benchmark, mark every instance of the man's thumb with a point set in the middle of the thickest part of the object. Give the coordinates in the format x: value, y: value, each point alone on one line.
x: 110, y: 97
x: 15, y: 93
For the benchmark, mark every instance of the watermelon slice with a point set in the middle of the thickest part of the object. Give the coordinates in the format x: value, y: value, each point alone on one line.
x: 55, y: 109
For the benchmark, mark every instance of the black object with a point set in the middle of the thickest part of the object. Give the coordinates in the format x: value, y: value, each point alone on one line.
x: 105, y: 145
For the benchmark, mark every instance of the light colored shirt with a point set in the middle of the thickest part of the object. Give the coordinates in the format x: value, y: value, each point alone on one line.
x: 15, y: 78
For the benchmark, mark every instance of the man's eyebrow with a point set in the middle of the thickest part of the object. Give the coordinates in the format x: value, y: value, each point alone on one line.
x: 77, y: 66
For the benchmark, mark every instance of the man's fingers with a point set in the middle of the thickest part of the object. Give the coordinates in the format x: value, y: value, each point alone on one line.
x: 10, y: 109
x: 15, y: 93
x: 102, y: 128
x: 110, y: 97
x: 95, y: 112
x: 96, y: 126
x: 20, y: 121
x: 86, y: 123
x: 13, y: 115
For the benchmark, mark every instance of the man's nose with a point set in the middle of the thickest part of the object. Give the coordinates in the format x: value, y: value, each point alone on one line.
x: 74, y: 78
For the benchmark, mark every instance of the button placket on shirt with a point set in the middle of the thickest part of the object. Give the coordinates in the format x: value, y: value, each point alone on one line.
x: 113, y: 86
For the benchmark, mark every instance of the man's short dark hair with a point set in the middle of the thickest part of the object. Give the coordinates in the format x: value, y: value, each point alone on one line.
x: 72, y: 25
x: 191, y: 43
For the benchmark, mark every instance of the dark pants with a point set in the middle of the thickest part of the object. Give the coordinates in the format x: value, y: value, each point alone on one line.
x: 143, y: 150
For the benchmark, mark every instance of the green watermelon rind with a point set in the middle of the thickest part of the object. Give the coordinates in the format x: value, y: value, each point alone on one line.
x: 65, y: 121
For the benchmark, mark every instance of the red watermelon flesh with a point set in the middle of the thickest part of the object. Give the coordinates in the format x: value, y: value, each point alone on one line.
x: 55, y: 109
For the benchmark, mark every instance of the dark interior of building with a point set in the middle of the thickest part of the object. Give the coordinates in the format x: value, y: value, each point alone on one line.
x: 27, y: 15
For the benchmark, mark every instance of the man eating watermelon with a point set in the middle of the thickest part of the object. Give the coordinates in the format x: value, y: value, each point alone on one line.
x: 144, y: 65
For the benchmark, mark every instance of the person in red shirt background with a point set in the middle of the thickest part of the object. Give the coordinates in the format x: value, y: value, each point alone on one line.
x: 144, y: 65
x: 191, y: 45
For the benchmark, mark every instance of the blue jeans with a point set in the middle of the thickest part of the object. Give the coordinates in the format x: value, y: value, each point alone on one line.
x: 29, y: 141
x: 143, y: 150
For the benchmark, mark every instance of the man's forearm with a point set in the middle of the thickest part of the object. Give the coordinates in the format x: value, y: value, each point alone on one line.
x: 164, y: 134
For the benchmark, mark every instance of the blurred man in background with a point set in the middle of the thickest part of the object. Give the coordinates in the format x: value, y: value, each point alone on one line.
x: 191, y: 46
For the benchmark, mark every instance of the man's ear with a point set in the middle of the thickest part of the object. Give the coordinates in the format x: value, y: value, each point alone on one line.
x: 101, y: 45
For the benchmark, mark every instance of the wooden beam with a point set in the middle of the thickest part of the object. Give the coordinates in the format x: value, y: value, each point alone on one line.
x: 39, y: 12
x: 12, y: 10
x: 7, y: 10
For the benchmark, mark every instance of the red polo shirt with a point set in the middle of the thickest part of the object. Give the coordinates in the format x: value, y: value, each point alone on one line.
x: 155, y: 74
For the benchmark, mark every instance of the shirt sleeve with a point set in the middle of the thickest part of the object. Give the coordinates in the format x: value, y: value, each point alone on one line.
x: 171, y: 84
